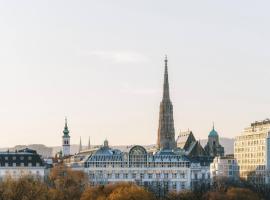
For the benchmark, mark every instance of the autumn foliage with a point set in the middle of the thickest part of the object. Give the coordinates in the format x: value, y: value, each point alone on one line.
x: 121, y: 191
x: 66, y: 184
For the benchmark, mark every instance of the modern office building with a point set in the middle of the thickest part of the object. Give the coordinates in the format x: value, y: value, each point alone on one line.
x: 251, y: 151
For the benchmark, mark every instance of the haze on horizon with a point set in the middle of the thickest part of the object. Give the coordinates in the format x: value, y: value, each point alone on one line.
x: 101, y: 63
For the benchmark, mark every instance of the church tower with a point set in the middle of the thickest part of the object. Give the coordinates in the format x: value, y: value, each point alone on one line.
x: 166, y: 134
x: 66, y: 141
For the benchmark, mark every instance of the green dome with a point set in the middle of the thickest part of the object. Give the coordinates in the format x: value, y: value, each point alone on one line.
x: 213, y: 133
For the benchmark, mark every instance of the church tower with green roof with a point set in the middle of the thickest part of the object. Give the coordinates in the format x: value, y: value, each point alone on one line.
x: 66, y: 141
x: 213, y: 147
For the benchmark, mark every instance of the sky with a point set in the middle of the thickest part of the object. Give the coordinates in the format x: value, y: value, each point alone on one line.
x: 100, y: 63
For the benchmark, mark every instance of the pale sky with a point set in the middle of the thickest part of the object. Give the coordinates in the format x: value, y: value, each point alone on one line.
x: 100, y: 63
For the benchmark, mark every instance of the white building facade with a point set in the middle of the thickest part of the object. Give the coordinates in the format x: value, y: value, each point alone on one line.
x: 21, y: 163
x: 224, y: 166
x: 165, y: 168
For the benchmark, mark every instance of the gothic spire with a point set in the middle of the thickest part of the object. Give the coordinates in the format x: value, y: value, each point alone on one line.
x: 89, y: 146
x: 166, y: 92
x: 80, y: 147
x: 166, y: 134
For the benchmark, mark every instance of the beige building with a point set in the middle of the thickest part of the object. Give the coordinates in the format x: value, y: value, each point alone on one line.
x: 250, y: 150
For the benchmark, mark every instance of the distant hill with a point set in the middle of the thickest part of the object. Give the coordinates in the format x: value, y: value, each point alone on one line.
x: 40, y: 148
x: 51, y: 151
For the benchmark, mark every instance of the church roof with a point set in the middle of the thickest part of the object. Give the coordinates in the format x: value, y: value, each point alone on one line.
x: 213, y: 133
x: 185, y: 139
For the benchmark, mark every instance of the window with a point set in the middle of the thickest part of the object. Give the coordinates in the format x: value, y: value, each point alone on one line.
x: 141, y: 176
x: 174, y: 175
x: 126, y: 176
x: 182, y: 185
x: 203, y: 176
x: 166, y: 175
x: 195, y: 176
x: 157, y: 176
x: 182, y: 175
x: 117, y: 176
x: 150, y: 176
x: 174, y: 185
x: 133, y: 175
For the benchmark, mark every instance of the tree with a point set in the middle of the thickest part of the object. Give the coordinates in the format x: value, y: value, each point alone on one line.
x: 25, y: 188
x: 214, y: 195
x: 241, y: 194
x: 66, y: 184
x: 185, y: 195
x: 121, y: 191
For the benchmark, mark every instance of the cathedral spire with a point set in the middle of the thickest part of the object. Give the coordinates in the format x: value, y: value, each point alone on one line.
x: 166, y: 134
x: 166, y: 92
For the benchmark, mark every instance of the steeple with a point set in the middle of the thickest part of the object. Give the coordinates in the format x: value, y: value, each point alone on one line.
x: 66, y: 131
x: 66, y: 140
x: 166, y: 134
x: 166, y: 92
x: 80, y: 146
x: 89, y: 146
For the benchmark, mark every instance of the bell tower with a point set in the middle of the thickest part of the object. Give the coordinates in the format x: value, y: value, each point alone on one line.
x: 66, y: 141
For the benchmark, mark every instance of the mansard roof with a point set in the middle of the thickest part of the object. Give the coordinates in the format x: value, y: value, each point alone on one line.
x: 17, y: 158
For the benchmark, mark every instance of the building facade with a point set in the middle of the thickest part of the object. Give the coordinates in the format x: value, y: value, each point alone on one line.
x: 21, y: 163
x: 224, y: 167
x: 164, y: 170
x: 251, y: 150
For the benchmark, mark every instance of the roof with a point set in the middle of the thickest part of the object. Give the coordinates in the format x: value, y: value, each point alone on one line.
x: 213, y: 133
x: 17, y: 158
x: 185, y: 139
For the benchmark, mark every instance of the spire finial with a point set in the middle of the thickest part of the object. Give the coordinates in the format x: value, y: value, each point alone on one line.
x: 65, y: 121
x: 166, y: 93
x: 213, y: 125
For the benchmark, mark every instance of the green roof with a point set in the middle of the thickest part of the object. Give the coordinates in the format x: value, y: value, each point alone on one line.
x: 213, y: 133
